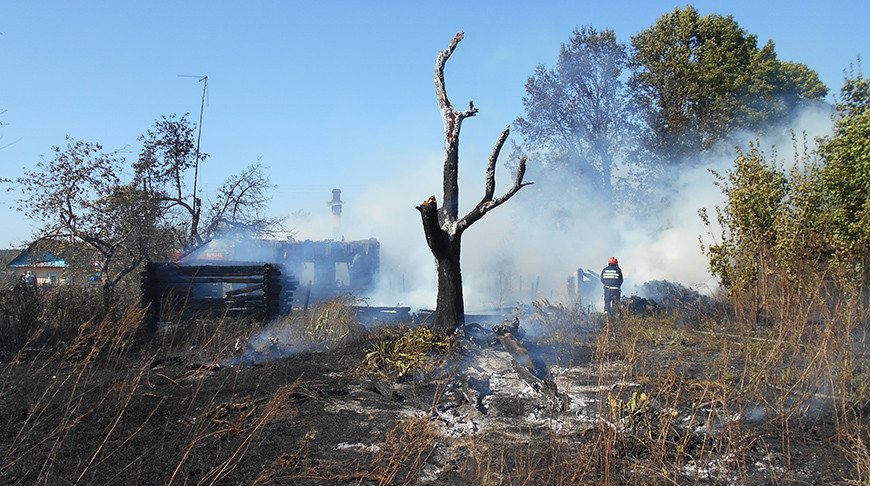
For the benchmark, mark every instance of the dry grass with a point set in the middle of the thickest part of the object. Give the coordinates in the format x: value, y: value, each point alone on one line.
x: 328, y: 323
x: 97, y: 343
x: 682, y: 401
x: 698, y: 398
x: 401, y: 456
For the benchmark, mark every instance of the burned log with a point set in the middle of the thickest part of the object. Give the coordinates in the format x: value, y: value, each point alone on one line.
x: 245, y: 290
x: 530, y: 367
x: 259, y: 290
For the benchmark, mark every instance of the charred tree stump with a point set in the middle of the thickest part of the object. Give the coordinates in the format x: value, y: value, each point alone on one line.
x: 442, y: 227
x: 450, y: 306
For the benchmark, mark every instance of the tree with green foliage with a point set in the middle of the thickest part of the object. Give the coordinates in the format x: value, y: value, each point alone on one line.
x: 704, y: 76
x: 743, y: 255
x: 81, y: 199
x: 845, y: 178
x: 802, y: 236
x: 578, y: 118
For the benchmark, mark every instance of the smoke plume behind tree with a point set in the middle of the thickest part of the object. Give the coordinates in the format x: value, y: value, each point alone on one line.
x: 542, y: 237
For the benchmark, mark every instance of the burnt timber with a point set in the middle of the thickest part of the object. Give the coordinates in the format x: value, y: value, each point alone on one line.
x: 324, y: 269
x: 234, y: 289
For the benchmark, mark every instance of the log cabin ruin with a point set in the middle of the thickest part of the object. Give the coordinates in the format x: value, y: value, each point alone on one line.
x: 239, y: 275
x: 262, y: 277
x: 235, y: 290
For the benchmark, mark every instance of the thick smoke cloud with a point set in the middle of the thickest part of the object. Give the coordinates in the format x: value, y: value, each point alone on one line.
x: 528, y: 247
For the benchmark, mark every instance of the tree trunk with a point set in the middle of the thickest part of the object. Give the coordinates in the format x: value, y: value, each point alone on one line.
x: 194, y: 223
x: 450, y: 306
x: 108, y: 295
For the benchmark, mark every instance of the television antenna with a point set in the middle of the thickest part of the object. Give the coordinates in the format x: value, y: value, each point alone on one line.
x: 204, y: 81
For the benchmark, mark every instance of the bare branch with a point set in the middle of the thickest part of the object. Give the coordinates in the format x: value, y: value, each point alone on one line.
x: 240, y: 204
x: 452, y: 124
x: 518, y: 184
x: 488, y: 204
x: 440, y: 90
x: 490, y: 168
x: 441, y: 226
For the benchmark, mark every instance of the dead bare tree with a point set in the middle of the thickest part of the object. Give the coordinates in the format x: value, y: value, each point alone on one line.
x: 443, y: 227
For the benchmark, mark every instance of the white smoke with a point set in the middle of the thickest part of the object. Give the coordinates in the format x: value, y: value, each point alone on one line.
x: 528, y: 247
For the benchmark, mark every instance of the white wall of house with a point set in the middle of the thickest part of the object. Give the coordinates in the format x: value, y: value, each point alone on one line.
x: 44, y: 275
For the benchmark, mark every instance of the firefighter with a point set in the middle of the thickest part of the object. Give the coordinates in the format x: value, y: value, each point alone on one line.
x: 611, y: 277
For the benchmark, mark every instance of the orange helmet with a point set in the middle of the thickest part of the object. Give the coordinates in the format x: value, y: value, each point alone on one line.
x: 612, y: 261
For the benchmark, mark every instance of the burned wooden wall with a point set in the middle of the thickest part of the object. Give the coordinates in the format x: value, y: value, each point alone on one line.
x: 328, y: 268
x: 232, y: 288
x: 324, y: 269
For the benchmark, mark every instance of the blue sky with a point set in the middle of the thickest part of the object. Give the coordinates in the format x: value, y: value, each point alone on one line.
x: 326, y: 94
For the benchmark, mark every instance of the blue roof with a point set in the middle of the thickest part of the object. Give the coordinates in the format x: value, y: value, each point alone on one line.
x: 29, y: 258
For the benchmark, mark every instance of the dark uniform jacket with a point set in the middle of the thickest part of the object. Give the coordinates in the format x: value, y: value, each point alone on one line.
x: 611, y: 277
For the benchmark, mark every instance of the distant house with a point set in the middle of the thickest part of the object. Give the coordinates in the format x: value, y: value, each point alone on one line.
x: 45, y: 267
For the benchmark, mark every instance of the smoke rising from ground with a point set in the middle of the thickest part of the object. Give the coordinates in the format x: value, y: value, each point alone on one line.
x: 528, y: 247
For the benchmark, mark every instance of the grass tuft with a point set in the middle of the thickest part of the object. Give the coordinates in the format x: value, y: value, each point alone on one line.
x: 403, y: 350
